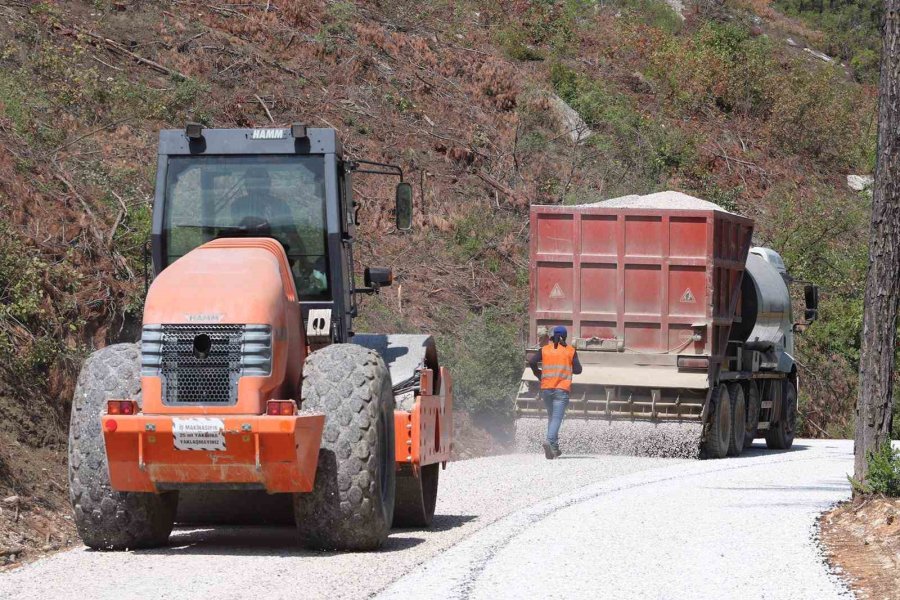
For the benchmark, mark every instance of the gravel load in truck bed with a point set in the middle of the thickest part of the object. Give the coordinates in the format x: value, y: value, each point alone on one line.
x: 672, y: 200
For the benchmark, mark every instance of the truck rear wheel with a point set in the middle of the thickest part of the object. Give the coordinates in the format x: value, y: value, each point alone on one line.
x: 719, y: 435
x: 351, y: 506
x: 106, y: 519
x: 738, y: 419
x: 781, y: 436
x: 751, y: 396
x: 416, y: 496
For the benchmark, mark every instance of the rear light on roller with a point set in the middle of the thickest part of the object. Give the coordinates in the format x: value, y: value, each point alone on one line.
x: 121, y: 407
x: 691, y: 362
x: 281, y: 408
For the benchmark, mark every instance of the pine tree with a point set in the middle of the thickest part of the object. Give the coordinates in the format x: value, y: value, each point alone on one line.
x: 882, y: 295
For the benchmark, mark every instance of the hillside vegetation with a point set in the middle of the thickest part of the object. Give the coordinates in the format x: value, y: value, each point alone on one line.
x: 458, y: 92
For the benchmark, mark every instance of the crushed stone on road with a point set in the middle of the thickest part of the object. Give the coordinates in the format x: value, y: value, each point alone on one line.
x: 735, y: 528
x: 225, y: 562
x: 521, y: 526
x: 596, y: 436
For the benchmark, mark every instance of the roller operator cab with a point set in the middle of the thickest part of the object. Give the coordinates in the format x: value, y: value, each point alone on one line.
x: 248, y: 378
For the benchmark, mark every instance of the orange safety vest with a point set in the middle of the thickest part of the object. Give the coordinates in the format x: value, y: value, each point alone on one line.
x: 556, y: 367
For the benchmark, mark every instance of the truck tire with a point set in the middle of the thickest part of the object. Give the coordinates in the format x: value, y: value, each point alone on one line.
x: 781, y: 435
x: 751, y: 396
x: 351, y: 506
x: 106, y: 519
x: 738, y: 419
x: 416, y: 496
x: 719, y: 435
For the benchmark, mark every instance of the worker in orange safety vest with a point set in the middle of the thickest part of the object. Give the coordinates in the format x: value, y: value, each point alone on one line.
x: 554, y: 367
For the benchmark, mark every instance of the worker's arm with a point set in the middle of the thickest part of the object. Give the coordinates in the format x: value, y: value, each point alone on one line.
x: 533, y: 363
x: 576, y: 364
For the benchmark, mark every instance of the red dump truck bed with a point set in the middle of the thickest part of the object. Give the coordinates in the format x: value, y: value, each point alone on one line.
x: 645, y: 279
x: 683, y: 335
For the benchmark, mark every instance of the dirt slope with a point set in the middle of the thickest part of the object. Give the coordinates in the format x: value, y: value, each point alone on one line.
x: 862, y: 539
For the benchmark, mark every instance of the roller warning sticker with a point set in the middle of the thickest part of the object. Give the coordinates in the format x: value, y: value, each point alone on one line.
x: 688, y: 296
x: 199, y: 434
x: 557, y: 292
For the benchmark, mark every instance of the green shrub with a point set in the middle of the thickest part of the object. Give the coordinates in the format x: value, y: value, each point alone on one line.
x: 884, y: 472
x: 727, y: 198
x: 635, y: 150
x: 545, y: 27
x: 895, y: 423
x: 592, y: 99
x: 865, y: 63
x: 514, y: 42
x: 21, y: 102
x: 673, y: 149
x: 32, y: 321
x: 815, y: 112
x: 852, y: 30
x: 653, y: 13
x: 486, y: 358
x: 720, y: 66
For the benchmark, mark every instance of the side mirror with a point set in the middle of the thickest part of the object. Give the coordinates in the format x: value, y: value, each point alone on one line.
x: 404, y: 208
x: 811, y: 297
x: 376, y: 277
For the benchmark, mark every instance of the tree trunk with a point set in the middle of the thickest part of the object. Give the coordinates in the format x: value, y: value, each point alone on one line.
x: 879, y: 335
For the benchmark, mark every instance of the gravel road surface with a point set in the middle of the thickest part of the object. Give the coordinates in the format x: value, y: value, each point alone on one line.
x: 516, y: 527
x: 735, y: 528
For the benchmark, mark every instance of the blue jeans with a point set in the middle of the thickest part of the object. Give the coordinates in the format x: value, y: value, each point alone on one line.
x: 556, y: 402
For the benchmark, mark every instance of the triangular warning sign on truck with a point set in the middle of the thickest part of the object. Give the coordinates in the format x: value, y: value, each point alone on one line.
x: 557, y: 292
x: 688, y: 296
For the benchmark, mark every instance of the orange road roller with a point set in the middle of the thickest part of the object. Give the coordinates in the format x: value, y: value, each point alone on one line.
x: 249, y: 383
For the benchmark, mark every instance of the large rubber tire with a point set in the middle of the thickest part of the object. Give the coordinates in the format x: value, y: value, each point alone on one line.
x: 416, y: 496
x: 751, y: 396
x: 352, y: 504
x: 719, y: 435
x: 781, y: 436
x: 106, y: 519
x: 738, y: 419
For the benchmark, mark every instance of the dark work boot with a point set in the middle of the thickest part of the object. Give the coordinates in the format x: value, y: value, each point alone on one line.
x: 548, y: 451
x: 556, y: 452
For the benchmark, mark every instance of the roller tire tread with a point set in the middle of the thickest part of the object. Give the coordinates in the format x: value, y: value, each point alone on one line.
x: 106, y: 519
x: 346, y: 510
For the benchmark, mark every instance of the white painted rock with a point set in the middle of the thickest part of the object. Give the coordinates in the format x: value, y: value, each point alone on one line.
x: 859, y: 183
x: 819, y: 55
x: 570, y: 120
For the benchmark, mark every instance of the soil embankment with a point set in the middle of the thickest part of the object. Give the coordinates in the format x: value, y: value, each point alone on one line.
x: 862, y: 540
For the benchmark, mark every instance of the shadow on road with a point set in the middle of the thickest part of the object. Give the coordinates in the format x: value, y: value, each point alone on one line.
x: 279, y: 541
x: 834, y: 484
x: 447, y: 522
x: 759, y: 449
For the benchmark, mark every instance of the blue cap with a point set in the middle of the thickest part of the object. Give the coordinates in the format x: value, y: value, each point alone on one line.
x: 560, y: 331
